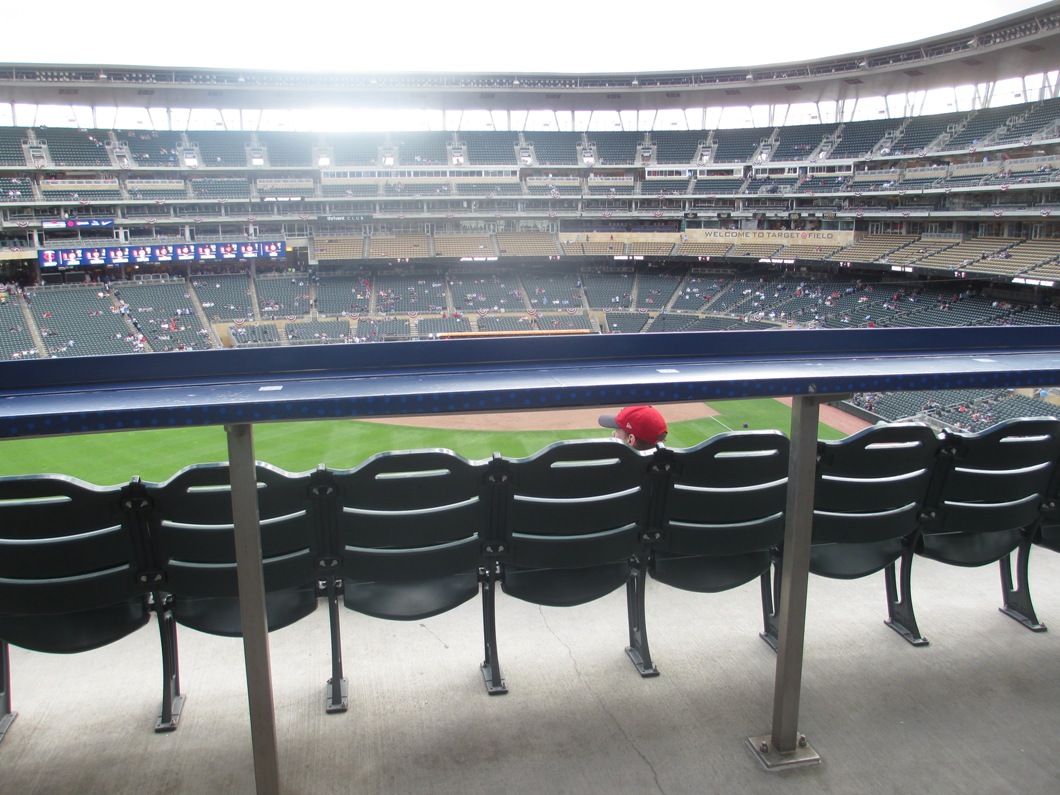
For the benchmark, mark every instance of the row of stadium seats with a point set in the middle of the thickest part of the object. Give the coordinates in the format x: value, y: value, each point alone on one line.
x: 104, y: 189
x: 228, y: 149
x: 412, y: 534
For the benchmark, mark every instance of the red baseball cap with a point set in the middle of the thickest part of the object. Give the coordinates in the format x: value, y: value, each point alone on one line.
x: 644, y: 422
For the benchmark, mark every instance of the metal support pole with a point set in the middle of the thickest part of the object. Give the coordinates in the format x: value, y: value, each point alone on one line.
x: 7, y: 716
x: 252, y: 608
x: 785, y: 747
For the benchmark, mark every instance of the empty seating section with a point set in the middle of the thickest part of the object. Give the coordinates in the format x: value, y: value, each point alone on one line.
x: 399, y: 246
x: 166, y: 314
x: 872, y: 248
x: 969, y: 175
x: 416, y: 189
x: 678, y: 147
x: 601, y: 248
x: 527, y: 244
x: 646, y: 248
x: 254, y: 334
x: 16, y: 341
x: 463, y: 246
x: 337, y: 295
x: 288, y: 149
x: 432, y: 327
x: 756, y: 250
x: 979, y: 128
x: 227, y: 188
x: 616, y: 148
x: 768, y: 184
x: 317, y: 332
x: 221, y: 149
x: 496, y: 324
x: 859, y: 138
x: 725, y: 324
x: 807, y: 251
x: 547, y: 291
x: 1029, y: 253
x: 664, y: 187
x: 626, y: 322
x: 383, y: 329
x: 283, y: 296
x: 654, y: 290
x: 355, y: 149
x: 349, y: 190
x: 339, y: 248
x: 799, y: 142
x: 497, y: 293
x: 81, y: 321
x: 614, y: 290
x: 77, y: 147
x: 1050, y: 270
x: 918, y: 249
x: 154, y: 148
x: 490, y: 149
x: 1035, y: 316
x: 490, y: 189
x: 555, y: 188
x: 156, y: 189
x: 410, y: 534
x: 555, y: 148
x: 1034, y: 122
x: 966, y: 254
x: 702, y: 249
x: 966, y: 312
x: 422, y: 148
x: 883, y: 180
x: 710, y: 185
x: 610, y: 187
x: 409, y: 293
x: 822, y: 184
x: 921, y: 131
x: 570, y: 320
x: 737, y: 146
x: 224, y: 296
x: 81, y: 191
x: 11, y: 151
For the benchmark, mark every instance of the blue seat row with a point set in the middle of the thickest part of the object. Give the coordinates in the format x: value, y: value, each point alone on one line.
x: 411, y: 534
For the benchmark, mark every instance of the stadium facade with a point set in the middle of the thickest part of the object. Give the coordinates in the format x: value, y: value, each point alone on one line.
x: 785, y: 226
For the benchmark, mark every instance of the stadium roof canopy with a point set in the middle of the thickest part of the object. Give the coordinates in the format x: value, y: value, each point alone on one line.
x: 1019, y: 45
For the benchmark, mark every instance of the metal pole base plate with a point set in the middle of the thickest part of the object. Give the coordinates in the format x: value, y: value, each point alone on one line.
x: 638, y: 660
x: 1033, y: 626
x: 171, y: 725
x: 333, y: 705
x: 492, y: 687
x: 772, y: 760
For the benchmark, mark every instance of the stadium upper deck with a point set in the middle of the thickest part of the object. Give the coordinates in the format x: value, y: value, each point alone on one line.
x: 984, y: 172
x: 1022, y: 43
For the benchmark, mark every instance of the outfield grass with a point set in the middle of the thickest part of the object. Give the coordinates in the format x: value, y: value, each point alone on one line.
x: 157, y: 454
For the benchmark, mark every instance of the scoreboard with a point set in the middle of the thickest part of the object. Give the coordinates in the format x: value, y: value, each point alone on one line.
x: 184, y: 252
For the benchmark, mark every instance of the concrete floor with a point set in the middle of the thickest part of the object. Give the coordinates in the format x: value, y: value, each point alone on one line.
x: 977, y: 711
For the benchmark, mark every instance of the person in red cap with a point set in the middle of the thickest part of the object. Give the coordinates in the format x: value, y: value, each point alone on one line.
x: 641, y: 427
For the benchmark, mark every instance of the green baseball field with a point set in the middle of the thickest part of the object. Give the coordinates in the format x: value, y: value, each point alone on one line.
x: 155, y: 455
